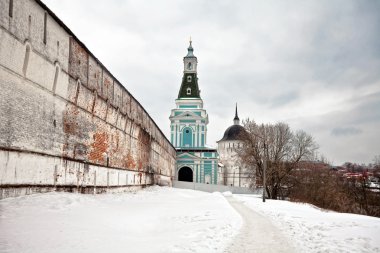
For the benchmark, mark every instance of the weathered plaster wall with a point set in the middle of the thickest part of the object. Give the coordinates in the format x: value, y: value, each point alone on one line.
x: 65, y: 121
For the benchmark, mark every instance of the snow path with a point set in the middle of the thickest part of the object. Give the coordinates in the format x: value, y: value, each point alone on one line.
x: 316, y: 230
x: 257, y: 233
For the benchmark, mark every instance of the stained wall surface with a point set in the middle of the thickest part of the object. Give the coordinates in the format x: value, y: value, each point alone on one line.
x: 65, y: 120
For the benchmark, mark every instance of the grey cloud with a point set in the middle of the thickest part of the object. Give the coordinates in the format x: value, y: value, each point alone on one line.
x: 368, y: 110
x: 284, y: 99
x: 344, y: 131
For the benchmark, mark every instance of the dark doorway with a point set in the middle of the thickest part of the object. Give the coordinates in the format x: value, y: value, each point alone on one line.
x: 185, y: 174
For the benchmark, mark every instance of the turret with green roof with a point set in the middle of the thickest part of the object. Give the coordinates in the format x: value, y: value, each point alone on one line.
x: 189, y: 86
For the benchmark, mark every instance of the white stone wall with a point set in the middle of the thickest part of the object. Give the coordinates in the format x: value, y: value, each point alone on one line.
x: 57, y: 101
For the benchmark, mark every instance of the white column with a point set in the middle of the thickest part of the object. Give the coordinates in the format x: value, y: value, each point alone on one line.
x: 178, y: 140
x: 196, y: 135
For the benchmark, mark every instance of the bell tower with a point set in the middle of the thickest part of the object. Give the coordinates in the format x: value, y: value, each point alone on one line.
x: 188, y: 129
x: 189, y: 120
x: 189, y: 86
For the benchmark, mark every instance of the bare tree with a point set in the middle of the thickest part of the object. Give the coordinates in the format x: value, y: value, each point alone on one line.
x: 281, y: 148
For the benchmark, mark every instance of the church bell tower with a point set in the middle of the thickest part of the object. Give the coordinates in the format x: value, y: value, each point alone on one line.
x: 189, y: 120
x: 188, y: 129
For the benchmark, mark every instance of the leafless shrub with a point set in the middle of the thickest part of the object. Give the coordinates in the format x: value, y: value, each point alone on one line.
x: 319, y: 185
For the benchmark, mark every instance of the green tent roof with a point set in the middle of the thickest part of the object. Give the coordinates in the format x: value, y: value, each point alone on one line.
x: 189, y: 87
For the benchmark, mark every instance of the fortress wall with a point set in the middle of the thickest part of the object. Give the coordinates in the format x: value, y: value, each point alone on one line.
x: 65, y: 120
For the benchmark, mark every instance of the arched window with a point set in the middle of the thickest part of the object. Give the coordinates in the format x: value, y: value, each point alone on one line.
x: 11, y: 8
x: 55, y: 77
x: 45, y: 23
x: 189, y: 79
x: 29, y: 25
x: 26, y: 58
x: 188, y: 91
x: 189, y: 66
x: 187, y: 137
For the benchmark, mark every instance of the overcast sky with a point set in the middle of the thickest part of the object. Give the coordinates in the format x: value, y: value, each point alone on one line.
x: 312, y: 64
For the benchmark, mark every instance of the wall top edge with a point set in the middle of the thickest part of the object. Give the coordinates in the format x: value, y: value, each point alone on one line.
x: 60, y: 22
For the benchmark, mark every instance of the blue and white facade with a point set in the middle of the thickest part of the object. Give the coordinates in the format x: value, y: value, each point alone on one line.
x: 188, y: 130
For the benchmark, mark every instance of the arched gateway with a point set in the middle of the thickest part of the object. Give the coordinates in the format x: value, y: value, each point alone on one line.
x: 185, y: 174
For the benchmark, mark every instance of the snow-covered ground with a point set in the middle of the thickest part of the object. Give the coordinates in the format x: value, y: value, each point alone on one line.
x: 311, y: 229
x: 157, y: 219
x: 162, y: 219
